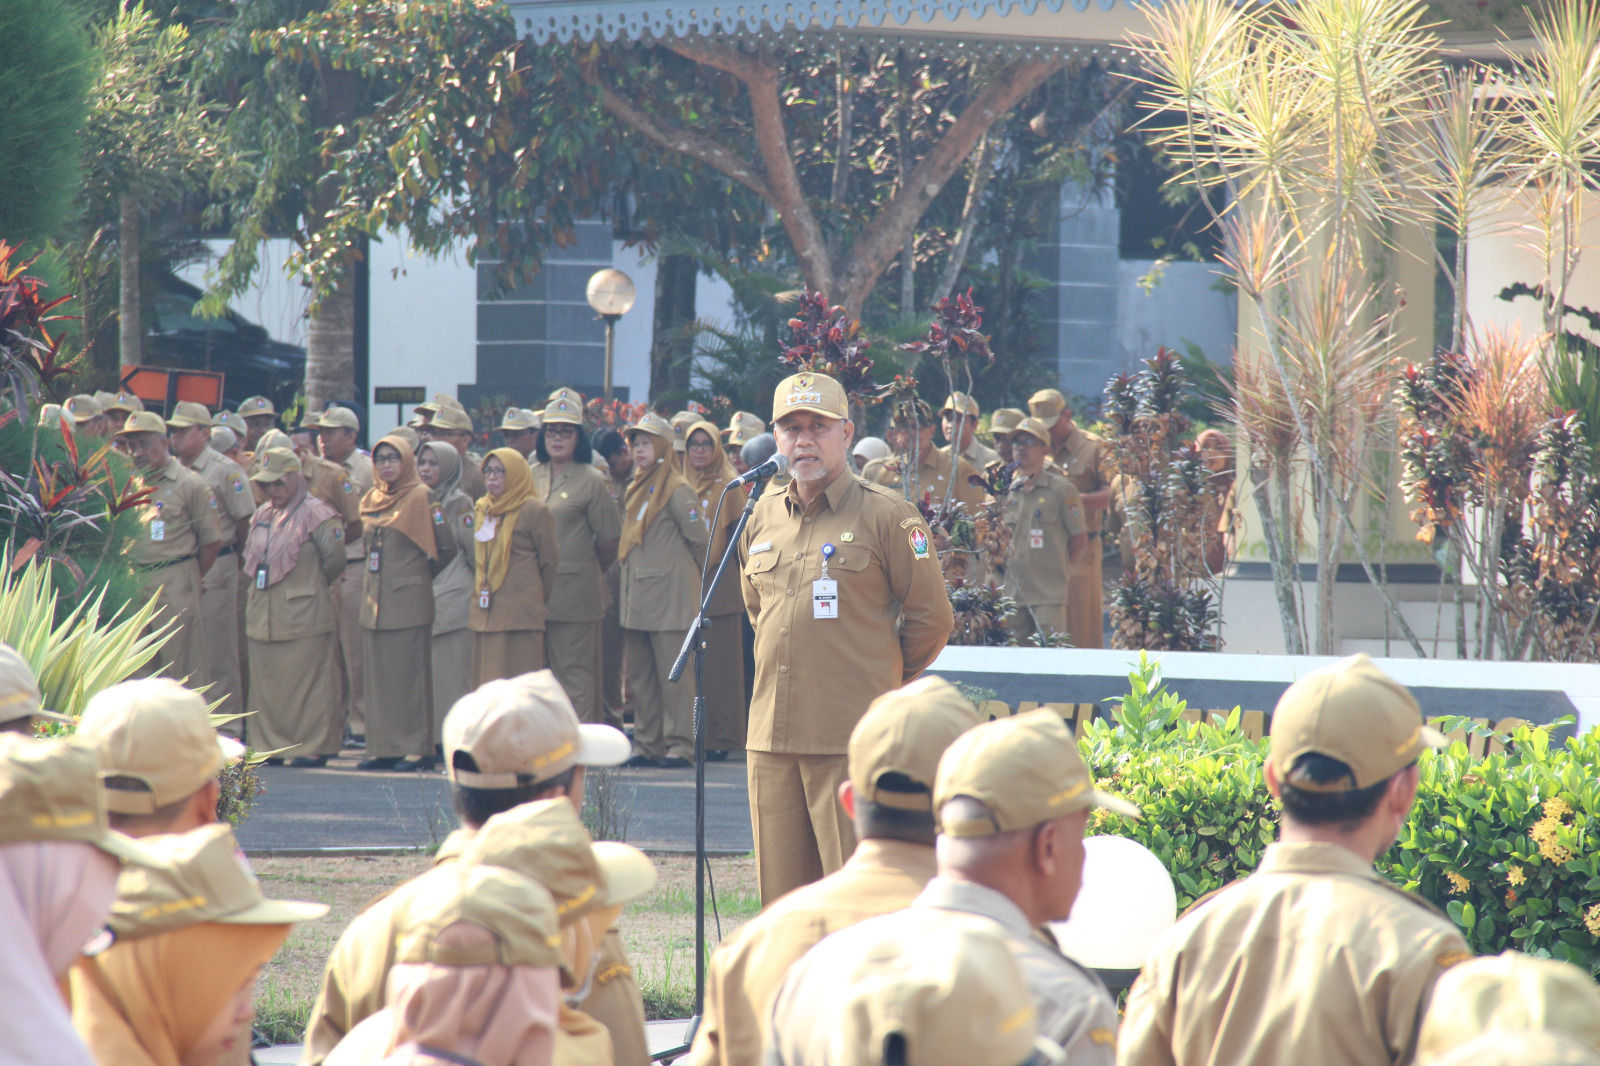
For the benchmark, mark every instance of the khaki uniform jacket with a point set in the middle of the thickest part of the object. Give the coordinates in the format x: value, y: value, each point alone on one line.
x: 980, y: 455
x: 187, y: 511
x: 661, y: 577
x: 519, y: 602
x: 1046, y: 512
x: 931, y: 480
x: 399, y: 594
x: 816, y: 676
x: 358, y: 471
x: 1083, y: 456
x: 226, y: 478
x: 1313, y: 959
x: 452, y: 584
x: 747, y: 970
x: 585, y: 515
x: 472, y: 482
x: 301, y: 605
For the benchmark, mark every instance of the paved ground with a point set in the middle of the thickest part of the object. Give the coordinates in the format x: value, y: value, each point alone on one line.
x: 660, y: 1036
x: 340, y: 807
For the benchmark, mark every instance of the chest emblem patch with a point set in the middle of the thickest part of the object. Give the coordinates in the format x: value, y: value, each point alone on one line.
x: 919, y: 543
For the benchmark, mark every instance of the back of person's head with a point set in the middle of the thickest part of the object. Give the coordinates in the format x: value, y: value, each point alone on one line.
x: 20, y: 700
x: 759, y: 449
x: 608, y: 442
x: 1509, y: 993
x: 515, y: 740
x: 1526, y: 1047
x: 1339, y: 735
x: 894, y: 756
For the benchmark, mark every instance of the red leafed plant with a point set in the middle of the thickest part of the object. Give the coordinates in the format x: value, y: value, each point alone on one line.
x: 825, y: 340
x: 30, y: 355
x: 613, y: 414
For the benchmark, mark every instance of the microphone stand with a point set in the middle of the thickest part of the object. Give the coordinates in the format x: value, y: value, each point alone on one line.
x: 695, y: 642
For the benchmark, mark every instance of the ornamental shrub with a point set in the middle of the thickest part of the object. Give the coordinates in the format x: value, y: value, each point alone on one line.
x: 1507, y: 845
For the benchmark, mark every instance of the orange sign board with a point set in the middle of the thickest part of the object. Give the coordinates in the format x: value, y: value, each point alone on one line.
x: 165, y: 386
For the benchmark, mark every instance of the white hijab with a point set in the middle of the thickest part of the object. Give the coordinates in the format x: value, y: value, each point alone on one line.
x: 53, y: 896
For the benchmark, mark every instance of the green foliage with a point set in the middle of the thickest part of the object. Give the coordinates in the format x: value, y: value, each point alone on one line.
x: 1507, y: 845
x: 46, y: 66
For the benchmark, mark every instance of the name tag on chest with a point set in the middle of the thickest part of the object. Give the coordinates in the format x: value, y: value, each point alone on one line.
x: 1035, y: 538
x: 824, y: 598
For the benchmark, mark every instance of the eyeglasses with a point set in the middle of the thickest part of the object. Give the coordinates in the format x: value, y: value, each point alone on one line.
x: 560, y: 431
x: 701, y: 445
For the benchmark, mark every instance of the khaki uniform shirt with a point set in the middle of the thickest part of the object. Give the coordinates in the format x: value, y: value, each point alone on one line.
x: 472, y: 482
x: 585, y: 515
x: 1044, y: 516
x: 519, y: 602
x: 816, y: 676
x: 1083, y: 456
x: 187, y: 513
x: 980, y: 455
x: 661, y: 577
x: 358, y: 470
x: 300, y: 605
x: 931, y: 479
x: 235, y: 504
x: 1313, y: 959
x: 399, y: 594
x: 881, y: 876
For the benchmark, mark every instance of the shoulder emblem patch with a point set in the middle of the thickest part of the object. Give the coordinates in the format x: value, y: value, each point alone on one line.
x: 1102, y: 1037
x: 338, y: 534
x: 1452, y: 958
x: 349, y: 486
x: 438, y: 516
x: 466, y: 519
x: 919, y: 543
x: 238, y: 484
x: 907, y: 523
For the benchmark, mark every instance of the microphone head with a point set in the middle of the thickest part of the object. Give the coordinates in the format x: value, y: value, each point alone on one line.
x: 780, y: 464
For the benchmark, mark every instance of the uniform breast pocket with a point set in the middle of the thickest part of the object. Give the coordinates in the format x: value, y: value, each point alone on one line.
x: 758, y: 571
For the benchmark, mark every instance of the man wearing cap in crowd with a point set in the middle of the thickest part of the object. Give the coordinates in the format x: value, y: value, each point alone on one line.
x: 743, y: 427
x: 1048, y: 536
x: 973, y: 450
x: 241, y: 429
x: 680, y: 424
x: 1083, y: 456
x: 520, y: 429
x: 21, y: 706
x: 190, y: 427
x: 1002, y: 423
x: 894, y: 756
x: 1510, y: 994
x: 119, y: 407
x: 87, y: 415
x: 911, y: 430
x: 508, y: 745
x: 259, y: 416
x: 1314, y: 951
x: 177, y: 544
x: 453, y: 425
x: 159, y: 754
x: 848, y: 601
x: 337, y: 430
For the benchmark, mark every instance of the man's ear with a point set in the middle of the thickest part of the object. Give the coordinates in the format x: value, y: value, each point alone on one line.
x: 1274, y: 786
x: 1402, y: 791
x: 1046, y: 846
x: 847, y: 797
x: 849, y: 433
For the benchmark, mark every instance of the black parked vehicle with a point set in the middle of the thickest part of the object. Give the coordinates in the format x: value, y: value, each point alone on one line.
x: 254, y: 363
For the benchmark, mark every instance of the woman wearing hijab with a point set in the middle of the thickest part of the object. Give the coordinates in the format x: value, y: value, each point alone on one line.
x: 439, y: 468
x: 709, y: 471
x: 664, y: 539
x: 292, y: 561
x: 403, y: 553
x: 588, y: 528
x: 515, y: 556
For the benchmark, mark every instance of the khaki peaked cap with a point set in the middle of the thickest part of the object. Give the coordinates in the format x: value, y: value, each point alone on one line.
x: 50, y: 790
x: 159, y: 734
x: 905, y: 731
x: 807, y: 391
x: 518, y: 912
x: 523, y: 730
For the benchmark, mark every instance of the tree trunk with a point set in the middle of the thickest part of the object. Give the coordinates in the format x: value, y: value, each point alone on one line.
x: 671, y: 346
x: 969, y: 218
x: 130, y: 329
x: 331, y: 348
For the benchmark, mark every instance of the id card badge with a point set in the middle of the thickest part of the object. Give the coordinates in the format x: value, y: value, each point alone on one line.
x: 1035, y: 538
x: 261, y: 576
x: 374, y: 560
x: 483, y: 598
x: 824, y: 598
x: 158, y: 526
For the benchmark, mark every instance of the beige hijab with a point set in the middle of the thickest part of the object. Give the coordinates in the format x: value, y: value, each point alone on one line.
x: 648, y: 493
x: 404, y: 506
x: 707, y: 485
x: 277, y: 535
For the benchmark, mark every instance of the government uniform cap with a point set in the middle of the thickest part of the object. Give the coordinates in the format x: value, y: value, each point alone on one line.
x: 1025, y: 769
x: 256, y: 407
x: 274, y: 438
x: 960, y: 401
x: 743, y: 427
x: 188, y: 413
x: 918, y: 412
x: 652, y: 424
x: 338, y: 418
x: 517, y: 912
x: 143, y: 422
x: 546, y: 840
x: 565, y: 407
x: 680, y: 423
x: 954, y: 997
x: 158, y: 733
x: 83, y: 407
x: 49, y: 790
x: 203, y: 878
x: 905, y: 731
x: 234, y: 421
x: 517, y: 420
x: 1033, y: 428
x: 409, y: 435
x: 1510, y: 992
x: 1353, y: 712
x: 19, y: 690
x: 817, y: 393
x: 51, y: 414
x: 1046, y: 405
x: 124, y: 403
x: 452, y: 418
x: 104, y: 399
x: 274, y: 464
x: 440, y: 399
x: 523, y: 730
x: 1524, y: 1048
x: 224, y: 439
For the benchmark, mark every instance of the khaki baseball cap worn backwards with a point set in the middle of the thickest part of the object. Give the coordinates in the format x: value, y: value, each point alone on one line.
x: 517, y: 913
x: 50, y: 790
x: 1353, y: 712
x: 203, y: 878
x: 19, y: 690
x: 275, y: 463
x: 905, y: 731
x: 1510, y: 992
x: 1046, y: 405
x: 523, y: 730
x: 806, y: 391
x: 187, y: 413
x: 158, y: 734
x: 1025, y: 769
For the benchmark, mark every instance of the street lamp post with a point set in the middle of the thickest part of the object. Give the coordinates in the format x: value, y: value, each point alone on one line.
x: 611, y: 294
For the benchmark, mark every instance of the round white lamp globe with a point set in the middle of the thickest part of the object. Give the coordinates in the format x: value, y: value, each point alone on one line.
x: 1127, y: 900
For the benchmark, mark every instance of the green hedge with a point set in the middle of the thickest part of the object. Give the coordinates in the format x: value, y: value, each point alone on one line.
x: 1508, y: 845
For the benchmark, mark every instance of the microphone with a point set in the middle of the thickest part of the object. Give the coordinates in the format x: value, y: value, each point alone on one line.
x: 778, y: 464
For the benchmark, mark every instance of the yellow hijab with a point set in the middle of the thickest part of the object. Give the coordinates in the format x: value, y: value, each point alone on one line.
x: 494, y: 557
x: 404, y: 506
x: 648, y: 493
x: 707, y: 485
x: 148, y: 1001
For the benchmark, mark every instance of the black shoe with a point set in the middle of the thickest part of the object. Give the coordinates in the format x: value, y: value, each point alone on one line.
x: 308, y: 762
x: 394, y: 763
x: 276, y: 760
x: 717, y: 756
x: 674, y: 762
x: 639, y: 761
x: 427, y: 763
x: 356, y: 740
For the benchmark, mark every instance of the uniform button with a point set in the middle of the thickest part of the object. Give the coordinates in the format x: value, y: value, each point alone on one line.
x: 808, y: 521
x: 791, y: 592
x: 784, y: 631
x: 783, y: 669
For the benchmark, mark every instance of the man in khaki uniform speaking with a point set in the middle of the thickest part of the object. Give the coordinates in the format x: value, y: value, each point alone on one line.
x: 1083, y: 456
x: 894, y: 755
x: 847, y: 599
x: 337, y: 429
x: 932, y: 476
x: 177, y: 545
x: 1313, y: 958
x: 1048, y: 536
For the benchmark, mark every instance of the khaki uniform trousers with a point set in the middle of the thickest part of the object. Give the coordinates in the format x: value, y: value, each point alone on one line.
x: 663, y: 712
x: 801, y: 833
x: 352, y: 658
x: 219, y: 613
x: 452, y: 674
x: 505, y: 654
x: 177, y: 593
x: 1051, y: 616
x: 399, y: 665
x: 1086, y: 601
x: 572, y: 650
x: 609, y: 665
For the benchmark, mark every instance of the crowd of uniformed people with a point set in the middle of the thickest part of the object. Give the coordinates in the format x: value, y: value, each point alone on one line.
x: 910, y: 856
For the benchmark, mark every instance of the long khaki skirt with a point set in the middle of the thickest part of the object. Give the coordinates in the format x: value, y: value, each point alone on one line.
x: 573, y: 649
x: 452, y: 674
x: 399, y: 681
x: 294, y: 699
x: 509, y: 653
